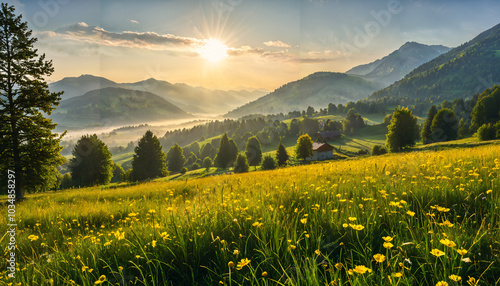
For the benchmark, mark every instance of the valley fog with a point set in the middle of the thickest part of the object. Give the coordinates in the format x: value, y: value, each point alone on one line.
x: 121, y: 135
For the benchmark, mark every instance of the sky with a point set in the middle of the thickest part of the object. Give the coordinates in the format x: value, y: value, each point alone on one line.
x: 234, y: 44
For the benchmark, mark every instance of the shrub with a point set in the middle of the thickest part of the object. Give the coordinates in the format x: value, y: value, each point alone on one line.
x: 378, y: 150
x: 184, y: 170
x: 486, y: 132
x: 268, y: 163
x: 241, y: 164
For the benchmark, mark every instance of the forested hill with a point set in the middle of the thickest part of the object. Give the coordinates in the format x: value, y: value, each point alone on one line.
x: 399, y: 63
x: 459, y: 73
x: 115, y: 106
x: 316, y: 90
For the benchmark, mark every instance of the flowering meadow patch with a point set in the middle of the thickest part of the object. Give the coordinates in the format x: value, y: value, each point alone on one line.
x: 420, y: 218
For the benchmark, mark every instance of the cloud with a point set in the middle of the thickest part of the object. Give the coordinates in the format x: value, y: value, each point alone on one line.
x: 277, y: 44
x: 82, y: 32
x: 134, y: 21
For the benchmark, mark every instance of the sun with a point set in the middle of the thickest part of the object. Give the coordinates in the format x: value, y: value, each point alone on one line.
x: 213, y: 51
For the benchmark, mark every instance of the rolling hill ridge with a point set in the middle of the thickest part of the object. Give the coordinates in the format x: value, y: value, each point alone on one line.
x: 316, y: 90
x: 399, y: 63
x: 115, y: 106
x: 459, y: 73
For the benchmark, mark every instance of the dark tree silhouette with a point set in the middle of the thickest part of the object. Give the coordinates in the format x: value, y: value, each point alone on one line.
x: 175, y: 159
x: 29, y: 148
x: 149, y: 159
x: 91, y: 163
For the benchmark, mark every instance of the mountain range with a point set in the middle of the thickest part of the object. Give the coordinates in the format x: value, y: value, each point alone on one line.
x: 113, y: 106
x: 459, y: 73
x: 192, y: 99
x: 399, y: 63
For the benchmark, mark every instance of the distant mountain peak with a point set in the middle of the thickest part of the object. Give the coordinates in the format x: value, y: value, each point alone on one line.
x: 399, y: 63
x: 459, y: 73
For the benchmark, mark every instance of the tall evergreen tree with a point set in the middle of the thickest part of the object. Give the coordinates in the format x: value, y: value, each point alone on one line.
x: 175, y: 158
x: 29, y: 147
x: 91, y: 163
x: 303, y: 149
x: 426, y: 130
x: 253, y: 151
x: 224, y: 157
x: 403, y: 130
x: 281, y: 155
x: 149, y: 160
x: 233, y: 151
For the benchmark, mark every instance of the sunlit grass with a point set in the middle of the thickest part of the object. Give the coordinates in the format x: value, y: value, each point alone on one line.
x: 433, y: 216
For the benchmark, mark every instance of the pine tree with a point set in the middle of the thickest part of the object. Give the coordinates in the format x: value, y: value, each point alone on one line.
x: 281, y: 155
x: 253, y: 151
x: 29, y: 148
x: 91, y: 163
x: 224, y: 155
x: 426, y: 130
x: 175, y: 158
x: 149, y: 160
x: 303, y: 149
x: 403, y: 130
x: 233, y: 151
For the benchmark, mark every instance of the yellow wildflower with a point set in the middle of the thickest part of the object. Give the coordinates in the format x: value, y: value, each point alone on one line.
x: 448, y: 242
x: 379, y: 257
x: 388, y: 245
x: 410, y: 213
x: 397, y: 274
x: 387, y: 238
x: 455, y: 278
x: 461, y: 251
x: 352, y: 218
x: 361, y: 269
x: 442, y: 283
x: 101, y: 280
x: 436, y: 252
x: 304, y: 220
x: 244, y: 262
x: 356, y: 226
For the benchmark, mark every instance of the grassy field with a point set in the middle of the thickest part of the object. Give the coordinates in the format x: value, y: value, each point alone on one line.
x: 405, y: 219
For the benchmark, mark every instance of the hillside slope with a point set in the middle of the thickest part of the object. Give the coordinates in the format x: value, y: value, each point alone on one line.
x: 459, y: 73
x: 76, y: 86
x: 316, y: 90
x: 109, y: 106
x: 399, y: 63
x: 196, y: 99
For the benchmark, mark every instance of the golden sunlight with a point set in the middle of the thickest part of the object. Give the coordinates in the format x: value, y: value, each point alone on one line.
x: 213, y: 51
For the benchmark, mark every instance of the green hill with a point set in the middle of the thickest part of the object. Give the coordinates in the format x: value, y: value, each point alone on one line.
x: 399, y: 63
x: 111, y: 105
x: 316, y: 90
x: 459, y: 73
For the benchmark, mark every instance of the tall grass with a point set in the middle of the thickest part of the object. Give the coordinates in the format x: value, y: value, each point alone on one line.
x: 406, y: 219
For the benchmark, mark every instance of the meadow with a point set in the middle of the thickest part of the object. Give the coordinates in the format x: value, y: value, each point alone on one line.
x: 417, y: 218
